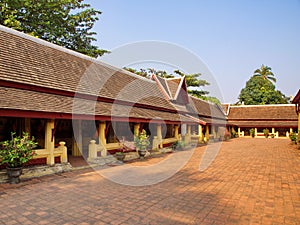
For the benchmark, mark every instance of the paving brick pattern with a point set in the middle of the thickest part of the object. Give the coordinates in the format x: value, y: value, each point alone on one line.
x: 252, y: 181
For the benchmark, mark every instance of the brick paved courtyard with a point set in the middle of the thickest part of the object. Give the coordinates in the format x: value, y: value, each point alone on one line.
x: 251, y: 181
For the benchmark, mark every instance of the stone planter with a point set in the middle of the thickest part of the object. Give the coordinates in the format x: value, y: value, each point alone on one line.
x: 14, y: 174
x: 120, y: 157
x: 142, y: 153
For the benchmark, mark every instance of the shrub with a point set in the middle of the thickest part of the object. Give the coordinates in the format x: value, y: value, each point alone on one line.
x: 266, y: 132
x: 293, y: 137
x: 252, y: 132
x: 233, y: 134
x: 141, y: 141
x: 17, y: 151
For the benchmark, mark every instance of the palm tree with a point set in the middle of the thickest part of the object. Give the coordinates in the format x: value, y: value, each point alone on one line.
x: 265, y: 73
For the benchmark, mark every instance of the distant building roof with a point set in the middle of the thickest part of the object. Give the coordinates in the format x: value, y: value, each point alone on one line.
x: 281, y: 115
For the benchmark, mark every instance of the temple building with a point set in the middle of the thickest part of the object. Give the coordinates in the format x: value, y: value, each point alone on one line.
x: 280, y: 120
x: 67, y: 101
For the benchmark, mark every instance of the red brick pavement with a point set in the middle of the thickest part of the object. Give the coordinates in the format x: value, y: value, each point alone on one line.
x: 252, y: 181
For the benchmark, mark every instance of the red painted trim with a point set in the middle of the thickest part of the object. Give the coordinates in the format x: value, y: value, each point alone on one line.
x: 51, y: 115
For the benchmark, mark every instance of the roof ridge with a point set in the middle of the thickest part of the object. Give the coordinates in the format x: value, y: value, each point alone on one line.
x: 167, y: 92
x: 174, y: 78
x: 179, y: 87
x: 267, y: 105
x: 202, y: 100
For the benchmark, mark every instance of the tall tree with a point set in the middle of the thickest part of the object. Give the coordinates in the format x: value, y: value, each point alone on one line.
x: 260, y: 91
x: 265, y: 73
x: 66, y: 23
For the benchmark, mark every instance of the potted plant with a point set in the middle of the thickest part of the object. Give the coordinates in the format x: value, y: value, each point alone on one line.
x: 234, y: 134
x: 266, y: 132
x: 175, y: 145
x: 141, y: 143
x: 178, y: 145
x: 293, y: 137
x: 120, y: 155
x: 252, y: 132
x: 14, y: 153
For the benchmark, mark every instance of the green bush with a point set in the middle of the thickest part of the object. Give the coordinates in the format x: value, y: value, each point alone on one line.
x: 141, y: 141
x: 17, y: 151
x: 233, y: 134
x: 293, y: 137
x: 266, y: 132
x: 252, y: 132
x: 179, y: 145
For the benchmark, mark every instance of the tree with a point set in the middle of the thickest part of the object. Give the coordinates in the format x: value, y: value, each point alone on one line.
x: 149, y: 72
x: 260, y: 91
x: 141, y: 72
x: 192, y: 80
x: 66, y: 23
x: 265, y: 73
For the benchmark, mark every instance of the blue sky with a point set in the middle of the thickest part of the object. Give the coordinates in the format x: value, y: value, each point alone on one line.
x: 231, y: 37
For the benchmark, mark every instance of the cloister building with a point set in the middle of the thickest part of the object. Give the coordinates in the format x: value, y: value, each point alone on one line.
x: 66, y: 100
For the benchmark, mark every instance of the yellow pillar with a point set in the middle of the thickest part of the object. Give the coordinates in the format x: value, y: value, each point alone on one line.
x: 176, y: 131
x: 255, y: 132
x: 159, y: 135
x: 63, y: 149
x: 77, y: 142
x: 200, y: 133
x: 49, y: 141
x: 187, y: 137
x: 189, y: 129
x: 101, y: 133
x: 291, y: 130
x: 136, y: 129
x: 273, y: 130
x: 214, y: 132
x: 207, y: 133
x: 239, y: 131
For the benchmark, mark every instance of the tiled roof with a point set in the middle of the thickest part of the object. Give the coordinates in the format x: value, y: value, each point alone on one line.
x: 173, y: 85
x: 263, y: 115
x: 296, y: 99
x: 31, y: 61
x: 264, y: 124
x: 34, y: 63
x: 206, y: 109
x: 225, y: 108
x: 33, y: 101
x: 195, y: 106
x: 164, y: 86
